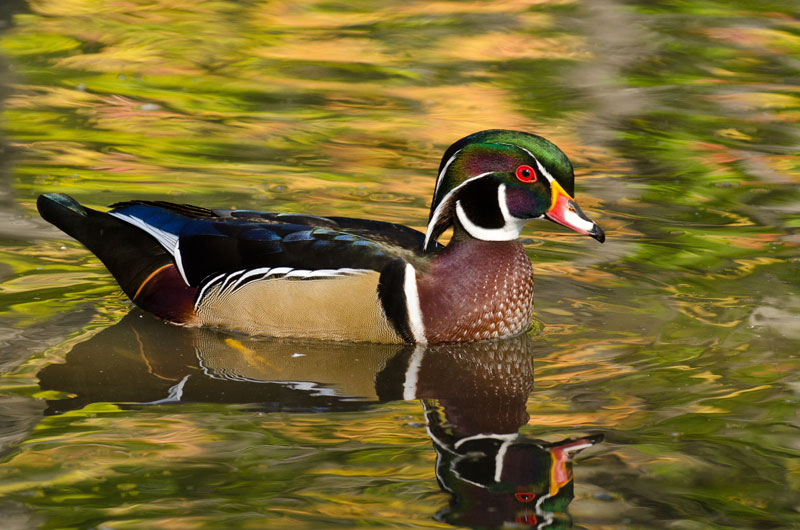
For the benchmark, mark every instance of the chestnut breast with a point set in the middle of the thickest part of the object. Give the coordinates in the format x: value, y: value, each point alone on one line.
x: 477, y: 290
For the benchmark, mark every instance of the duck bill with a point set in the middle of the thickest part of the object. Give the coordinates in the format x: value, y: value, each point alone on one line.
x: 565, y: 211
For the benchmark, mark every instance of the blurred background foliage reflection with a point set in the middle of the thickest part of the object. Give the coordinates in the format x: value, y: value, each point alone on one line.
x: 677, y: 339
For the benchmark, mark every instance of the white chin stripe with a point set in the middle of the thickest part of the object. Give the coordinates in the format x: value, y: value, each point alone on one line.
x: 508, y: 232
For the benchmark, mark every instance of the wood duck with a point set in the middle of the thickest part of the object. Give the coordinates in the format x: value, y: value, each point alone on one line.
x: 339, y: 278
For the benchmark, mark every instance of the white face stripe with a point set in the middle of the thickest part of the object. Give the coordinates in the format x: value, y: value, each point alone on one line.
x: 507, y: 441
x: 575, y: 448
x: 509, y: 437
x: 512, y: 224
x: 444, y: 170
x: 499, y: 460
x: 510, y: 230
x: 542, y: 169
x: 412, y: 305
x: 438, y: 212
x: 546, y: 173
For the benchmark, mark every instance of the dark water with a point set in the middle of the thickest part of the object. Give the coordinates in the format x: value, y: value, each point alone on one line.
x: 675, y: 342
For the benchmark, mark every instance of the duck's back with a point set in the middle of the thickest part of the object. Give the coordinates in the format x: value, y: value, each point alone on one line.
x: 260, y: 273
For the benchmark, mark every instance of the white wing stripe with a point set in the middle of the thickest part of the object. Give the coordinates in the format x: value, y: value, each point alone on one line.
x: 233, y: 280
x: 168, y: 240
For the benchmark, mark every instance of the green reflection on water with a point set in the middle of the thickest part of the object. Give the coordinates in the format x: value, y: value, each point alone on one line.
x: 677, y: 338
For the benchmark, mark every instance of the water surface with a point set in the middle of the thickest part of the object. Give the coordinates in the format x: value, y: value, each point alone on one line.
x: 676, y: 341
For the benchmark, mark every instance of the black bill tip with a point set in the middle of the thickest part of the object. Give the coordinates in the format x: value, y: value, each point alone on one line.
x: 597, y: 233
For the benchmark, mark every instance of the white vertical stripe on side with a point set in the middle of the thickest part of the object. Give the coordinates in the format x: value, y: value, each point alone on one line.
x: 412, y: 305
x: 412, y: 373
x: 176, y: 253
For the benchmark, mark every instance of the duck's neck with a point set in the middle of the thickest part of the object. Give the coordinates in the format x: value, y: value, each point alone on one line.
x: 476, y: 290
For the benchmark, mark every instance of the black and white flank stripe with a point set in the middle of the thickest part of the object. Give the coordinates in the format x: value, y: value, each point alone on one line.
x: 227, y: 283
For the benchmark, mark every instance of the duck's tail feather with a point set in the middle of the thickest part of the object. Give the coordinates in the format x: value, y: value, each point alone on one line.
x: 141, y: 266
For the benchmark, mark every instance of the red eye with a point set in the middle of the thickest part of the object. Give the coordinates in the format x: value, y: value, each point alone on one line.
x: 526, y: 174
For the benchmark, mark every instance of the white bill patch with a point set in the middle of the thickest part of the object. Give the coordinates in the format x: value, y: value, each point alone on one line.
x: 578, y: 223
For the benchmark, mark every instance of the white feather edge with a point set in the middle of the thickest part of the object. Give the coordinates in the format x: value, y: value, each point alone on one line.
x: 171, y: 243
x: 228, y: 285
x: 168, y: 240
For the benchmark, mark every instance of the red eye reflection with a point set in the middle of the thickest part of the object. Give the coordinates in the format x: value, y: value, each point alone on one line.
x: 526, y: 174
x: 524, y: 496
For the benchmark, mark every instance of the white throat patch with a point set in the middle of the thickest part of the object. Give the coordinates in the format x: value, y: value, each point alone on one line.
x: 512, y: 226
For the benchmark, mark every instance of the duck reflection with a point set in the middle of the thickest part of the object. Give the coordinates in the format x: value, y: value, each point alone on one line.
x: 473, y: 395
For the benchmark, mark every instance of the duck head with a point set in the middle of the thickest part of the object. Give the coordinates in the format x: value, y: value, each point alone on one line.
x: 493, y: 182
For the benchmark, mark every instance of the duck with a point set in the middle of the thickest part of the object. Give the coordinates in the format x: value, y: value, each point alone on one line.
x: 340, y: 278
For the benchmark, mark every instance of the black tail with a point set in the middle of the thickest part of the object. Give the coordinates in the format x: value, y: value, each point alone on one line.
x: 129, y: 253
